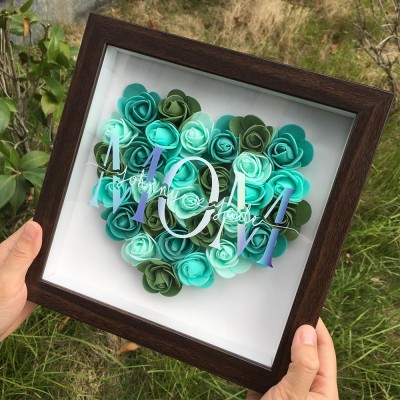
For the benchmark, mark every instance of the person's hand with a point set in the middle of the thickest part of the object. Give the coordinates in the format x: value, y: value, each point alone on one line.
x: 16, y: 255
x: 312, y: 372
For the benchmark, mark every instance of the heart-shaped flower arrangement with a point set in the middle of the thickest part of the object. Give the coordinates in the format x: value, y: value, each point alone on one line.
x: 190, y: 198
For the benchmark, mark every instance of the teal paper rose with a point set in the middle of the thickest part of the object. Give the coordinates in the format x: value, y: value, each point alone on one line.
x: 187, y: 202
x: 187, y: 174
x: 195, y: 270
x: 177, y: 107
x: 289, y: 148
x: 139, y: 248
x: 105, y: 194
x: 253, y: 134
x: 119, y: 225
x: 159, y: 277
x: 165, y: 135
x: 137, y: 153
x: 120, y: 128
x: 223, y: 146
x: 225, y: 260
x: 256, y: 247
x: 152, y: 222
x: 257, y: 196
x: 256, y: 168
x: 100, y: 153
x: 195, y: 134
x: 138, y: 107
x: 284, y: 178
x: 152, y: 187
x: 173, y: 249
x: 224, y: 180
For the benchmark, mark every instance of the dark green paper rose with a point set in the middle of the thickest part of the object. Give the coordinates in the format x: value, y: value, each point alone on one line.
x: 100, y: 152
x: 152, y: 223
x: 296, y: 215
x: 159, y: 277
x: 207, y: 235
x: 177, y: 107
x: 224, y: 179
x: 253, y: 134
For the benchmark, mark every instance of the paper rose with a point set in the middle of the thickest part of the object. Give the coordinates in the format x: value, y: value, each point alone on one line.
x: 256, y: 168
x: 173, y: 249
x: 137, y: 154
x: 187, y: 202
x: 225, y: 260
x: 289, y: 178
x: 119, y: 225
x: 257, y: 196
x: 138, y: 107
x: 195, y: 270
x: 289, y: 148
x: 258, y: 243
x: 231, y: 215
x: 253, y: 134
x: 118, y: 126
x: 165, y: 135
x: 139, y: 248
x: 177, y: 107
x: 152, y: 223
x: 224, y: 180
x: 100, y: 154
x: 223, y: 146
x: 296, y: 215
x: 152, y: 187
x: 159, y: 277
x: 207, y: 235
x: 105, y: 193
x: 186, y: 175
x: 195, y: 134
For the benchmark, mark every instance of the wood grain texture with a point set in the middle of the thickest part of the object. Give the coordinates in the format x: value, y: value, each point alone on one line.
x: 371, y: 107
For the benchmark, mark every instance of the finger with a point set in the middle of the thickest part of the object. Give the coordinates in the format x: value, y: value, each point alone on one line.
x: 304, y: 367
x: 252, y: 395
x: 26, y: 311
x: 21, y: 255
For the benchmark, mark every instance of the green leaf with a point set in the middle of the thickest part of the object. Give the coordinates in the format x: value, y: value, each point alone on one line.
x: 10, y: 153
x: 5, y: 115
x: 7, y: 188
x: 11, y: 105
x: 16, y: 25
x: 34, y: 176
x: 19, y: 195
x: 55, y: 87
x: 53, y: 49
x: 48, y: 104
x: 33, y: 159
x: 26, y: 6
x: 57, y: 32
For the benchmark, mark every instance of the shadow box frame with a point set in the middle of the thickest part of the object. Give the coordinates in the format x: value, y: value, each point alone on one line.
x: 370, y: 108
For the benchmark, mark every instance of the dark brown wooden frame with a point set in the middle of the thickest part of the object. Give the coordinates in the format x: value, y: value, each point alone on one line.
x: 371, y: 107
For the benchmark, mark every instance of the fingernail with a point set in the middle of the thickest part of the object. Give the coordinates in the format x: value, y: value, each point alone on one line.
x: 308, y: 336
x: 30, y: 231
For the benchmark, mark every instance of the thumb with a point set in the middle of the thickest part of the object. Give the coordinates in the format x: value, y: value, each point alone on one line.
x: 304, y: 367
x: 21, y: 254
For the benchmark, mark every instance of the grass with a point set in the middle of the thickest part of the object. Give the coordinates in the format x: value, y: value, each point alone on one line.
x: 53, y: 357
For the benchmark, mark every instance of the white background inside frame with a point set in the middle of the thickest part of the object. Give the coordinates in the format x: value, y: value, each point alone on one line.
x: 245, y: 315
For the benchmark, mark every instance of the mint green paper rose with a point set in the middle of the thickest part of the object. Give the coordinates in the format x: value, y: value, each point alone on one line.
x: 177, y: 107
x: 187, y: 202
x: 118, y: 126
x: 138, y: 107
x: 225, y: 260
x: 257, y: 196
x: 159, y: 277
x: 284, y: 178
x: 195, y: 270
x: 256, y: 168
x: 289, y: 148
x: 187, y: 174
x: 105, y: 194
x: 165, y: 135
x: 231, y: 215
x: 195, y: 134
x: 119, y: 224
x: 173, y: 249
x: 139, y: 248
x: 152, y: 187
